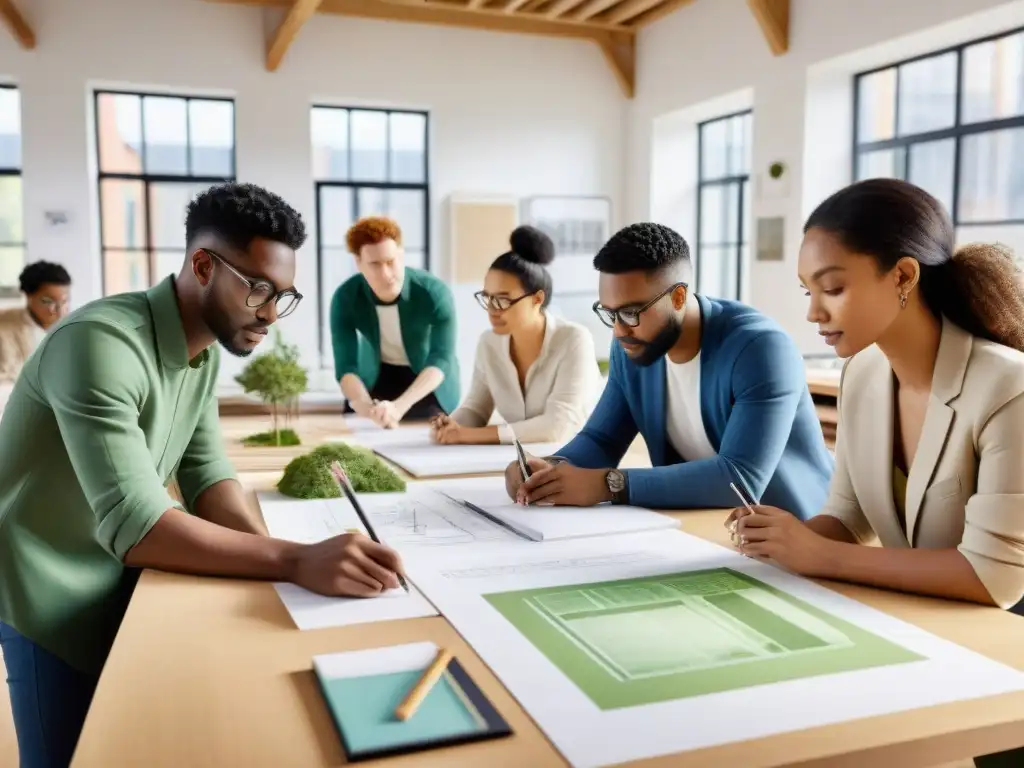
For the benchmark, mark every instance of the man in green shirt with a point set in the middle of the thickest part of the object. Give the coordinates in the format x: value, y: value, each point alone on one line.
x: 393, y: 332
x: 118, y: 400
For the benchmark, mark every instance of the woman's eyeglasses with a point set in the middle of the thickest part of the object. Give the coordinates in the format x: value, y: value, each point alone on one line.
x: 261, y: 292
x: 630, y: 317
x: 498, y: 303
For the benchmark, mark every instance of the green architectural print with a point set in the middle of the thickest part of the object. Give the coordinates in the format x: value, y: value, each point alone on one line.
x: 660, y: 638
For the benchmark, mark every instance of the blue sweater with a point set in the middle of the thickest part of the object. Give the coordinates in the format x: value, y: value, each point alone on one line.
x: 757, y: 412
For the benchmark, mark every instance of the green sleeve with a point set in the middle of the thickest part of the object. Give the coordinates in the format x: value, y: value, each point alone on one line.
x: 344, y: 339
x: 205, y: 461
x: 94, y: 380
x: 442, y: 330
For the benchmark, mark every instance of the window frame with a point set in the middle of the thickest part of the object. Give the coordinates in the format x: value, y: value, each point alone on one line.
x: 13, y: 291
x: 957, y: 132
x: 148, y: 179
x: 742, y: 181
x: 355, y: 185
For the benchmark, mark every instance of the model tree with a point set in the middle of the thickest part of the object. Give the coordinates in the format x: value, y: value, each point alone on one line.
x: 309, y: 476
x: 277, y: 379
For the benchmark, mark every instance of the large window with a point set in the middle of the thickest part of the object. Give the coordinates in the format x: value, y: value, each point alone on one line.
x: 155, y: 153
x: 723, y: 204
x: 951, y: 122
x: 12, y: 223
x: 367, y: 162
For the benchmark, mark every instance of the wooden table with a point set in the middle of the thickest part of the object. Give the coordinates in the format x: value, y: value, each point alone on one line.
x: 212, y: 672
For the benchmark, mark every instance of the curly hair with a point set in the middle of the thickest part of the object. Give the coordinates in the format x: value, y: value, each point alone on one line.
x: 646, y: 247
x: 371, y: 230
x: 977, y: 286
x: 240, y: 213
x: 40, y: 273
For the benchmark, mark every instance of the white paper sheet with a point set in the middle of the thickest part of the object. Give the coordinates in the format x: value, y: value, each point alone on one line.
x: 308, y: 522
x: 652, y: 639
x: 552, y: 523
x: 376, y: 661
x: 433, y: 460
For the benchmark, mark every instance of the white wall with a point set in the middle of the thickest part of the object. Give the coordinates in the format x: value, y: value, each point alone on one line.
x: 802, y: 102
x: 510, y: 114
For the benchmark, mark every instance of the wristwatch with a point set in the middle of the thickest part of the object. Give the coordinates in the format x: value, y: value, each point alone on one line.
x: 616, y: 481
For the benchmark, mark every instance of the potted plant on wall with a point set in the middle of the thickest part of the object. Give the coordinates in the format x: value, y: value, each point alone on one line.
x: 277, y: 379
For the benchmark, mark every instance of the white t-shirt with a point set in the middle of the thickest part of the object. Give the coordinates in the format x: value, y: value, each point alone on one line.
x: 683, y: 420
x: 392, y: 349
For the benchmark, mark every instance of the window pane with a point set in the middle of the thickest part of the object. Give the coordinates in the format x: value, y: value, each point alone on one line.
x: 336, y: 266
x: 415, y: 259
x: 369, y: 145
x: 166, y: 263
x: 927, y: 94
x: 719, y: 214
x: 406, y: 206
x: 738, y: 158
x: 371, y: 202
x: 165, y: 129
x: 211, y: 135
x: 408, y: 147
x: 931, y: 168
x: 12, y: 261
x: 716, y: 271
x: 167, y: 204
x: 125, y: 271
x: 991, y: 182
x: 119, y: 129
x: 746, y: 208
x: 335, y: 215
x: 10, y: 128
x: 12, y: 221
x: 122, y: 214
x: 882, y: 163
x: 329, y: 134
x: 876, y: 106
x: 993, y: 84
x: 714, y: 140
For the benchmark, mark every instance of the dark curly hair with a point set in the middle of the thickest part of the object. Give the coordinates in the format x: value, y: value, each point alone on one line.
x: 240, y: 213
x: 40, y: 273
x: 977, y: 286
x: 643, y: 247
x: 531, y: 250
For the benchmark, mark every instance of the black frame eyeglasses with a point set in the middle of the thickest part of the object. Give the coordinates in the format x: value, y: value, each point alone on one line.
x: 261, y: 292
x: 631, y: 317
x: 498, y: 303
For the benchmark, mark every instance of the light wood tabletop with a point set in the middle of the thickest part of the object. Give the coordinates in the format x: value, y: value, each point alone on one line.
x: 823, y: 382
x: 212, y: 672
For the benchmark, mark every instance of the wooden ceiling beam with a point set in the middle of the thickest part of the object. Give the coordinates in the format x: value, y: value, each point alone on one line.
x: 620, y: 52
x: 17, y: 25
x: 631, y: 9
x: 591, y: 8
x: 658, y: 12
x: 560, y: 7
x: 300, y: 12
x: 514, y: 5
x: 773, y: 18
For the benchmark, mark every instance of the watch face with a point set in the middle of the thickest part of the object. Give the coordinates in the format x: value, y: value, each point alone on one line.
x: 616, y: 482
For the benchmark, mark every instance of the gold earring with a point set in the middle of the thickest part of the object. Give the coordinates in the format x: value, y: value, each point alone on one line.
x: 903, y: 301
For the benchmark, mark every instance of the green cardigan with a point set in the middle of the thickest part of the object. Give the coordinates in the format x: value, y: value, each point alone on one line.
x: 426, y: 312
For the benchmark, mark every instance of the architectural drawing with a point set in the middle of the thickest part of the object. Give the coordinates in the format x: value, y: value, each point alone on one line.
x: 657, y: 638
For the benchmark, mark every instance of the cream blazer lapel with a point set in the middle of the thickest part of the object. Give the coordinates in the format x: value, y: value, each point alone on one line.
x: 16, y: 342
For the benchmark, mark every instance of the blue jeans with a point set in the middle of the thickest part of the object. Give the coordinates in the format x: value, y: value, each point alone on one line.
x: 49, y: 700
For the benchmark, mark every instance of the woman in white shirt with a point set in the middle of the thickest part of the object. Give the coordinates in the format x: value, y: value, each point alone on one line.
x: 537, y: 371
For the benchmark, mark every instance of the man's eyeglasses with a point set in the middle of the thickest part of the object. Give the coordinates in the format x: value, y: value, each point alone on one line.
x: 630, y: 317
x: 52, y: 306
x: 262, y: 292
x: 498, y: 303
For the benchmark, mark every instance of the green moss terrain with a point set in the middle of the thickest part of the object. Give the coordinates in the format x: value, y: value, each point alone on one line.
x: 309, y: 477
x: 283, y: 437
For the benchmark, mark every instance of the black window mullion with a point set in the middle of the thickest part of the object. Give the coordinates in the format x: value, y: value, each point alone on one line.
x: 958, y: 117
x: 188, y: 137
x: 739, y: 238
x: 387, y: 146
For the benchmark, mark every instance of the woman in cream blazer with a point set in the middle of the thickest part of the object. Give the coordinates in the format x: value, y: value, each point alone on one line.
x: 538, y: 372
x: 930, y: 448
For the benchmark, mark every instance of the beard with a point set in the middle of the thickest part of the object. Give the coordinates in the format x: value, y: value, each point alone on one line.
x: 658, y: 347
x: 223, y: 329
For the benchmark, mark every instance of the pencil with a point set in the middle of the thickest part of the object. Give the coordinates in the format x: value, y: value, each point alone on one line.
x: 743, y: 499
x: 343, y: 485
x: 419, y: 692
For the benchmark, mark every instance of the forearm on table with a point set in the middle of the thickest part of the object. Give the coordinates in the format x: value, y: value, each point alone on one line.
x: 935, y: 572
x: 183, y: 543
x: 427, y: 381
x: 225, y: 504
x: 481, y: 435
x: 355, y: 392
x: 831, y: 528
